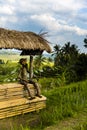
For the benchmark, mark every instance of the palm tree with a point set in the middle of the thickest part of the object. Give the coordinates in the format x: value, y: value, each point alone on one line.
x: 70, y: 52
x: 70, y: 49
x: 66, y: 48
x: 38, y: 61
x: 85, y: 41
x: 56, y: 54
x: 56, y: 50
x: 74, y: 50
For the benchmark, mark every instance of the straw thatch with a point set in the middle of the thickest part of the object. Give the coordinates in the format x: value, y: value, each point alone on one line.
x: 23, y: 40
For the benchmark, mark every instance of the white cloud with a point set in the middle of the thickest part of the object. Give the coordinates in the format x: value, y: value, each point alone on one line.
x: 6, y: 9
x: 54, y: 25
x: 2, y: 21
x: 50, y: 5
x: 55, y: 7
x: 11, y: 1
x: 7, y: 19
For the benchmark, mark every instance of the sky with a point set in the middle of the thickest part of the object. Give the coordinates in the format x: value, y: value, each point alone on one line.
x: 64, y: 20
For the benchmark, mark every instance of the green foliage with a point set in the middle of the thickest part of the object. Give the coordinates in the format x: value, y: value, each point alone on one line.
x: 64, y: 102
x: 51, y: 83
x: 1, y: 61
x: 8, y: 72
x: 38, y: 61
x: 82, y: 126
x: 73, y: 64
x: 14, y: 127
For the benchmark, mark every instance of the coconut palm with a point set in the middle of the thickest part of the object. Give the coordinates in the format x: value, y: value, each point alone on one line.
x: 66, y: 48
x: 85, y: 41
x: 38, y: 61
x: 56, y: 50
x: 70, y: 52
x: 56, y: 54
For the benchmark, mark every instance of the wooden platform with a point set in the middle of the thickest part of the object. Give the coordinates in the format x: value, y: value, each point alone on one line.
x: 14, y: 100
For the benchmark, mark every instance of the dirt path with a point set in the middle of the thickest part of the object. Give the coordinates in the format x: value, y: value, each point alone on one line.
x: 70, y: 123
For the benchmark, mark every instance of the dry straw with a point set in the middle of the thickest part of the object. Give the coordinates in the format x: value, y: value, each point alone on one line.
x: 23, y: 40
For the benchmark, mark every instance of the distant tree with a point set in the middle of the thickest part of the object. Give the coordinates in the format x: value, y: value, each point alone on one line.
x: 56, y: 51
x: 81, y: 67
x: 66, y: 55
x: 66, y: 48
x: 70, y: 53
x: 85, y: 41
x: 70, y: 49
x: 65, y: 58
x: 57, y: 54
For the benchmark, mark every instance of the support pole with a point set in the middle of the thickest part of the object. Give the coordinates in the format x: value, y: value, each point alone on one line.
x: 31, y: 67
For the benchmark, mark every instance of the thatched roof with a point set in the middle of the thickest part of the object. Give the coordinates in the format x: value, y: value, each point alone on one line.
x: 23, y: 40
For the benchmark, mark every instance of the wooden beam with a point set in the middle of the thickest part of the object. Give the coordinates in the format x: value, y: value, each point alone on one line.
x: 31, y: 67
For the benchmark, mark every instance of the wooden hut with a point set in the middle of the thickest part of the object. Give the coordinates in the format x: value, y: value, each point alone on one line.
x: 30, y: 43
x: 13, y: 98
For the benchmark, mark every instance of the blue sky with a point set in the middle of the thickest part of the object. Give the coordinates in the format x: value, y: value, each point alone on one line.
x: 64, y: 20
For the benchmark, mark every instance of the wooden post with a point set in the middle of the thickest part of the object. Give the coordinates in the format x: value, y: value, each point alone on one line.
x: 31, y: 67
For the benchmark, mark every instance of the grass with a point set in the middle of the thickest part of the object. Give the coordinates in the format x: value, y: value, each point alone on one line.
x: 78, y: 122
x: 82, y: 126
x: 64, y: 102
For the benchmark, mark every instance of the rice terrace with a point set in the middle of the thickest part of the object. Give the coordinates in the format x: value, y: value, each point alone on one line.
x: 61, y: 74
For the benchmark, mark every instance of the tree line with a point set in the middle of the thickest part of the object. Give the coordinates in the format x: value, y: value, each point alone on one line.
x: 69, y: 64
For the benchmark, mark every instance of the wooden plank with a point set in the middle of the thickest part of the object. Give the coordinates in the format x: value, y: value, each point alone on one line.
x: 14, y: 90
x: 14, y: 85
x: 20, y: 101
x: 23, y: 107
x: 22, y: 112
x: 13, y: 101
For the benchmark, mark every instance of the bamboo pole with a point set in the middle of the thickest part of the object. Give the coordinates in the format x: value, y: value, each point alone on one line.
x: 31, y: 67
